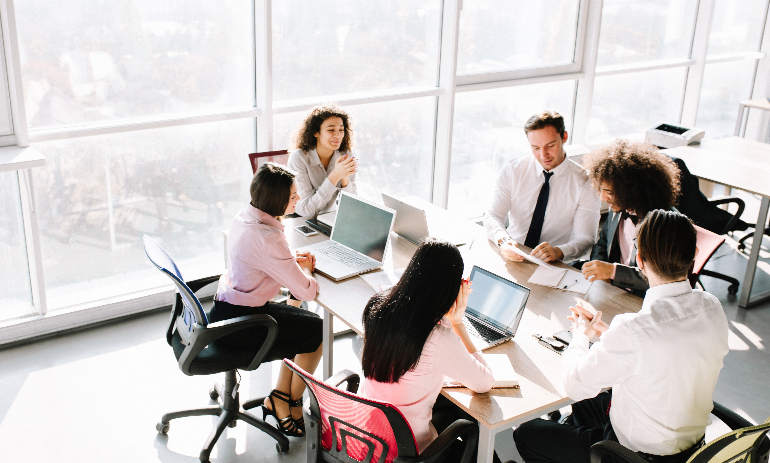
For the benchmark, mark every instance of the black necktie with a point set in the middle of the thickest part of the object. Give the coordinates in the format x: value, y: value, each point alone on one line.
x: 533, y: 235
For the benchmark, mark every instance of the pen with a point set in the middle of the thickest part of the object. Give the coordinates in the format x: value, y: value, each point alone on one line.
x: 567, y: 286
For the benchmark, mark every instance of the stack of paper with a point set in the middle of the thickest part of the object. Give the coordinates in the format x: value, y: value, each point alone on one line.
x: 501, y: 368
x: 555, y: 277
x: 382, y: 280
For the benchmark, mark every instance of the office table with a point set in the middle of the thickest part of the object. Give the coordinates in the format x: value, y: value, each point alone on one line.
x: 539, y: 369
x: 742, y: 164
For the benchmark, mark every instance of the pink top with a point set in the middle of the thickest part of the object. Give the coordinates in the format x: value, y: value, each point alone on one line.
x: 416, y: 392
x: 260, y: 261
x: 626, y: 237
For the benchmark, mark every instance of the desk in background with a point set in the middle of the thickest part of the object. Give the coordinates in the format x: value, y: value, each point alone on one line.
x: 538, y: 368
x: 742, y: 164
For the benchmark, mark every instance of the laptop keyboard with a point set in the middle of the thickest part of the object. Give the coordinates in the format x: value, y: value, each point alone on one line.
x: 343, y: 255
x: 475, y: 328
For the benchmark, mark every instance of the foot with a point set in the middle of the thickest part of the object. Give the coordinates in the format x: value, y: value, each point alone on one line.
x: 278, y: 403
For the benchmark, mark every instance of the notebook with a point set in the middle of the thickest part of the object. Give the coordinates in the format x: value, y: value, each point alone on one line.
x: 358, y: 240
x: 501, y: 368
x: 414, y: 223
x: 495, y: 308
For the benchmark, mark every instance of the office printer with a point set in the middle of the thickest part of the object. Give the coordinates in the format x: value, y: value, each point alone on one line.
x: 671, y: 136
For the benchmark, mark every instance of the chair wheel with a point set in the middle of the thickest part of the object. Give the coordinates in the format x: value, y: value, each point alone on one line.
x: 213, y: 393
x: 732, y: 289
x: 232, y: 424
x: 278, y: 448
x: 162, y: 427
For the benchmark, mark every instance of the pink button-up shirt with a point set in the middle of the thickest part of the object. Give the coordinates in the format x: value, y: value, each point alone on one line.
x: 260, y: 262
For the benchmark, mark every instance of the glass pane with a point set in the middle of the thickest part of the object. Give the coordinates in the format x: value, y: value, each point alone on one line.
x: 646, y: 30
x: 724, y: 85
x: 737, y: 26
x: 488, y: 132
x: 91, y: 60
x: 335, y: 47
x: 631, y: 103
x: 99, y: 195
x: 501, y: 35
x: 394, y: 144
x: 15, y: 289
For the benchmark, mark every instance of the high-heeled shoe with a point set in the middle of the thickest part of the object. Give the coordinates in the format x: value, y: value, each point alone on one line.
x: 298, y: 423
x: 287, y: 425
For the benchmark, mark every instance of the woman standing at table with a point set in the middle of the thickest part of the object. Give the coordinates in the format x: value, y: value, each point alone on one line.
x: 323, y: 159
x: 260, y: 262
x: 414, y: 335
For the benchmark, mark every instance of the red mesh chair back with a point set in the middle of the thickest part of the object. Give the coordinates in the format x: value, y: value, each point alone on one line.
x: 707, y: 242
x: 355, y: 429
x: 257, y: 159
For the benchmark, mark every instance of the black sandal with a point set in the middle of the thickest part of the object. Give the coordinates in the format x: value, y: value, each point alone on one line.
x: 298, y: 423
x: 286, y: 425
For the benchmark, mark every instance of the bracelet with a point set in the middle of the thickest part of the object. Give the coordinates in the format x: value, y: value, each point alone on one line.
x: 502, y: 241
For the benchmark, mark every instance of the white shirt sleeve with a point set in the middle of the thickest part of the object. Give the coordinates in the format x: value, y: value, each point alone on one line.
x: 494, y: 218
x: 585, y: 372
x: 584, y: 225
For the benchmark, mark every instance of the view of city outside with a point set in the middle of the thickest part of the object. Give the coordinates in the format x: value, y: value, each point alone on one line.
x: 15, y: 290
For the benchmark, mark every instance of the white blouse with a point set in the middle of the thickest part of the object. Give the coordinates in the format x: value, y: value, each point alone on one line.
x: 317, y: 194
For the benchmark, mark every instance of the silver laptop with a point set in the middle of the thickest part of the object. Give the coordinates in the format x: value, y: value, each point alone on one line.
x: 413, y: 224
x: 358, y: 241
x: 495, y: 308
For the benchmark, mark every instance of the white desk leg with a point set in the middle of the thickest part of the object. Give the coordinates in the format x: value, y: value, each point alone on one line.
x: 756, y: 245
x: 328, y: 344
x: 486, y: 444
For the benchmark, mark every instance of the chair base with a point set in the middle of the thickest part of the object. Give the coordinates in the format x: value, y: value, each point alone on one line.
x: 742, y: 241
x: 734, y: 283
x: 229, y: 412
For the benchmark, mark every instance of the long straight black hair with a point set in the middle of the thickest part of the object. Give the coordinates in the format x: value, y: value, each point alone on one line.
x: 398, y: 322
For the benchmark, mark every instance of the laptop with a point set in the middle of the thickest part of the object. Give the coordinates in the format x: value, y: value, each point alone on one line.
x: 495, y: 308
x: 413, y: 223
x: 358, y: 240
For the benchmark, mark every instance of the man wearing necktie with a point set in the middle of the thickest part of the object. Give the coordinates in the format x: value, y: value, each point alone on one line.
x: 548, y: 199
x: 633, y: 178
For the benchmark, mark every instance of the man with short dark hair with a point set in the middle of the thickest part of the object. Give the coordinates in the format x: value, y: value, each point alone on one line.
x: 633, y: 178
x: 662, y: 363
x: 550, y: 204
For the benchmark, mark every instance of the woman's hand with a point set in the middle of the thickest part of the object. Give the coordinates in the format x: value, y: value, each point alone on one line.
x: 345, y: 166
x: 306, y: 261
x: 456, y: 312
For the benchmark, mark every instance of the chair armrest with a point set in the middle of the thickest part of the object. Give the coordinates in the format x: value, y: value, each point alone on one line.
x: 437, y: 450
x: 736, y: 217
x: 202, y: 336
x: 352, y: 379
x: 195, y: 286
x: 729, y: 417
x: 617, y: 451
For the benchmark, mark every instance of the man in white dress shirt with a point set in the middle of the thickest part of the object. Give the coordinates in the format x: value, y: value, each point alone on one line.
x: 661, y: 363
x: 550, y: 203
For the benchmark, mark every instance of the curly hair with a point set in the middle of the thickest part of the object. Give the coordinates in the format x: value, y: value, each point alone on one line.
x: 304, y: 138
x: 642, y: 178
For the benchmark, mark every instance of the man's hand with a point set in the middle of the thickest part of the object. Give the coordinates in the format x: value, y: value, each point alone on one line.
x: 598, y: 270
x: 306, y: 261
x: 506, y: 251
x: 595, y: 324
x: 455, y: 314
x: 547, y: 253
x: 345, y: 166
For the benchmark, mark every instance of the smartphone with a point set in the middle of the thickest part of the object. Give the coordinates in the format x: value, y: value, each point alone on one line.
x: 305, y: 230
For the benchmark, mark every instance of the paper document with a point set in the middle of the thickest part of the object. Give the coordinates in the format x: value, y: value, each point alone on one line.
x: 528, y: 257
x: 501, y: 368
x: 382, y: 279
x: 561, y: 278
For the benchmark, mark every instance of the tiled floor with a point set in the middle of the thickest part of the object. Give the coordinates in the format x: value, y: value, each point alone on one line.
x: 95, y: 395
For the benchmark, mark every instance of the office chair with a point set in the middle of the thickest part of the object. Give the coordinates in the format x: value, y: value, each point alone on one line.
x: 199, y: 352
x: 746, y: 444
x: 343, y: 427
x: 256, y: 159
x: 742, y: 241
x: 705, y: 213
x: 707, y: 242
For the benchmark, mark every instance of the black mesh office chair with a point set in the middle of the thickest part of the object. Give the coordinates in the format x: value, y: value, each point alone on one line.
x: 198, y: 352
x: 706, y: 213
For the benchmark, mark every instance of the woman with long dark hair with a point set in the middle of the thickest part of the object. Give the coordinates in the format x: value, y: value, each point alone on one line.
x: 414, y: 336
x: 323, y: 159
x: 260, y: 262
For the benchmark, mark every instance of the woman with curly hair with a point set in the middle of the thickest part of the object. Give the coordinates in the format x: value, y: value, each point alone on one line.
x: 323, y: 159
x: 634, y: 179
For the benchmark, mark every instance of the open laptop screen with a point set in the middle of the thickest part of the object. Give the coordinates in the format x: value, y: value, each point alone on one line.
x: 497, y: 300
x: 362, y: 226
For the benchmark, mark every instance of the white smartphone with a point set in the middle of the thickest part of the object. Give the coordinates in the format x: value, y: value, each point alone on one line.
x: 305, y: 230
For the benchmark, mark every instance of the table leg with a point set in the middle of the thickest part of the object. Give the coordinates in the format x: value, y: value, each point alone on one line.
x: 328, y: 344
x: 486, y: 444
x: 756, y: 245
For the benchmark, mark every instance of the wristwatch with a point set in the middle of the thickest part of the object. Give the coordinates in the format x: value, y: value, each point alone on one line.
x: 503, y: 240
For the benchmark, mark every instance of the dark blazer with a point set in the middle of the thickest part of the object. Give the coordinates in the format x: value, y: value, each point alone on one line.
x: 607, y: 249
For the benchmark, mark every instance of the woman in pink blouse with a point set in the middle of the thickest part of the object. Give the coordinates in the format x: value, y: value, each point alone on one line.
x: 414, y: 336
x: 260, y: 262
